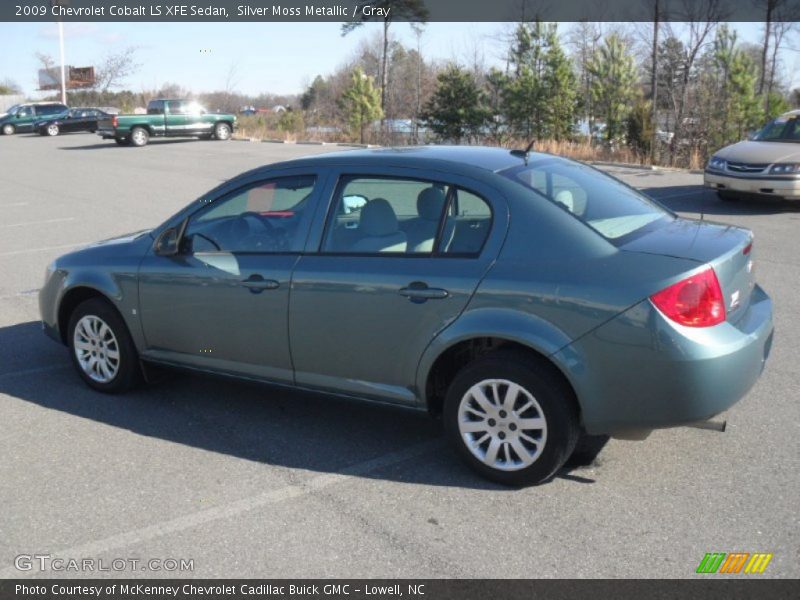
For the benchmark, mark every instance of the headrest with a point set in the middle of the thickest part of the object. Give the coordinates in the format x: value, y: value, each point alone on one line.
x: 378, y: 218
x: 430, y: 203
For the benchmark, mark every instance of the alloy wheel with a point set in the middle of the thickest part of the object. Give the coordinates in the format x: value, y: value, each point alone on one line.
x: 502, y: 424
x: 96, y: 348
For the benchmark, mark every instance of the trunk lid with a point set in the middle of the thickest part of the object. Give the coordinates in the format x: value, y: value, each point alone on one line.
x: 726, y: 248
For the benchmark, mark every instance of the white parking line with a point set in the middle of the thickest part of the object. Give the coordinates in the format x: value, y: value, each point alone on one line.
x: 235, y: 508
x: 23, y: 224
x: 13, y: 204
x: 44, y: 249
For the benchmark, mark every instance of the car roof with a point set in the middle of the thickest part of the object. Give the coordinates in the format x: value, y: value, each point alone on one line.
x: 457, y: 157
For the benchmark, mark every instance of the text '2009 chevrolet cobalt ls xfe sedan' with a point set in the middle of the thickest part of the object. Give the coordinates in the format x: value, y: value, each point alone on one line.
x: 523, y: 297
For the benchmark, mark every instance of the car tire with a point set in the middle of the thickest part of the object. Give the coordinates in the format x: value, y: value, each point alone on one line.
x: 9, y: 129
x: 222, y: 132
x: 728, y: 196
x: 518, y: 439
x: 139, y: 137
x: 53, y: 130
x: 101, y: 348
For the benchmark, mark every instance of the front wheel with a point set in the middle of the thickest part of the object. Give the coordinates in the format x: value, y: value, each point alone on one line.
x: 222, y: 131
x: 511, y: 418
x: 101, y: 348
x: 8, y: 129
x: 139, y: 136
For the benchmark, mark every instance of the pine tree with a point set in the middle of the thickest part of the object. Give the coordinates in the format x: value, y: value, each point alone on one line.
x: 456, y: 110
x: 614, y: 85
x: 361, y: 102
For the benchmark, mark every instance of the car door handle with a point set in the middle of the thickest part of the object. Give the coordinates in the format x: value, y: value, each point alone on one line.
x: 418, y: 291
x: 256, y: 284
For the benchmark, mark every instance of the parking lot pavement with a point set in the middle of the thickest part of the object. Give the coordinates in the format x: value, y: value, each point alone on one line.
x: 247, y: 480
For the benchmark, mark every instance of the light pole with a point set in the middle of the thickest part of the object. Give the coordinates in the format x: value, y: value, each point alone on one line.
x: 61, y: 50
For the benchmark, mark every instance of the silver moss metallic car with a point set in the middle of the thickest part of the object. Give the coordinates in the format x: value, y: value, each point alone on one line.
x: 523, y: 297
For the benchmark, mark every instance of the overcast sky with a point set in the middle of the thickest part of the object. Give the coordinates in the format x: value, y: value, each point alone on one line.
x: 268, y: 57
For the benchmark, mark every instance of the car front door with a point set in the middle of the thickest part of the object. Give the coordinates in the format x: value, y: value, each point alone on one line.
x: 397, y: 260
x: 221, y: 302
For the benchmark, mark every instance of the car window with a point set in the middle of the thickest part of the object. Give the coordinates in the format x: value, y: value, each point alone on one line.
x: 269, y: 216
x: 25, y: 111
x: 782, y: 129
x: 177, y: 108
x: 402, y: 216
x: 467, y: 226
x: 384, y: 215
x: 50, y: 109
x: 155, y: 107
x: 609, y: 207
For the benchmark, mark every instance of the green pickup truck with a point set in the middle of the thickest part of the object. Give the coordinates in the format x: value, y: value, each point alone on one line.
x: 167, y: 118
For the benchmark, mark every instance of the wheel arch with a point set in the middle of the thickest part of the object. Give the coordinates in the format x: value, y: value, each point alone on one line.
x: 480, y: 332
x: 71, y: 299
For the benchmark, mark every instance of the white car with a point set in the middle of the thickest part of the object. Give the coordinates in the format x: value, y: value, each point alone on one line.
x: 766, y: 165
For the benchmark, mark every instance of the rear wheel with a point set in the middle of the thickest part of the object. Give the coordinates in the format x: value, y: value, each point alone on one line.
x: 101, y: 347
x: 8, y: 129
x: 139, y: 136
x: 511, y: 418
x: 52, y: 130
x: 222, y: 131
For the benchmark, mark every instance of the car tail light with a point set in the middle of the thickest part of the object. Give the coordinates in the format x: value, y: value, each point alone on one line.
x: 114, y: 121
x: 695, y: 301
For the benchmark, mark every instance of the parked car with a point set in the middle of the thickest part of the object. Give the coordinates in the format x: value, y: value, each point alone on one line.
x: 525, y: 298
x: 169, y: 118
x: 20, y: 117
x: 75, y: 119
x: 767, y: 165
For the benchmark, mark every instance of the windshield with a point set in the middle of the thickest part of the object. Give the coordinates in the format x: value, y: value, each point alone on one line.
x: 12, y: 109
x: 608, y: 206
x: 782, y: 129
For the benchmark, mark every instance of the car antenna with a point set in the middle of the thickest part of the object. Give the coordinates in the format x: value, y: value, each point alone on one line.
x: 523, y: 154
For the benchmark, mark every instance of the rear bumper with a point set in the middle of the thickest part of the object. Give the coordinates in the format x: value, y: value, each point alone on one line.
x: 780, y: 187
x: 106, y: 133
x: 641, y: 371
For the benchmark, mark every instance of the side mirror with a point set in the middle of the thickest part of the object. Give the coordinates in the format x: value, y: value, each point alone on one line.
x: 167, y: 243
x: 353, y: 203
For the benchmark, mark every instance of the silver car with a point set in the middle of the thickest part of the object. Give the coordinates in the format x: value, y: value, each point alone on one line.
x: 766, y: 165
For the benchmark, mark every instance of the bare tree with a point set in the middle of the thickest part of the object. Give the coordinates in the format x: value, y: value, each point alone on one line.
x: 413, y: 10
x: 48, y: 65
x: 654, y: 81
x: 115, y: 67
x: 701, y: 18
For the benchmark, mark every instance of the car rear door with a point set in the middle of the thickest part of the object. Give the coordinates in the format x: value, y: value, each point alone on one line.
x: 364, y: 303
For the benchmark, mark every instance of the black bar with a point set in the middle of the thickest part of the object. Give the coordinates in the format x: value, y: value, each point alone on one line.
x: 744, y: 587
x: 343, y: 10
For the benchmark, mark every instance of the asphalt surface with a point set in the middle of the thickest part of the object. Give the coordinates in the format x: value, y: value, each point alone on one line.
x: 247, y: 480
